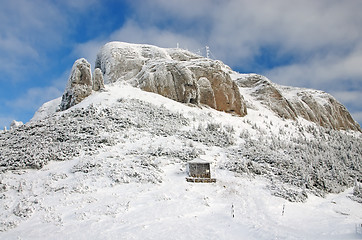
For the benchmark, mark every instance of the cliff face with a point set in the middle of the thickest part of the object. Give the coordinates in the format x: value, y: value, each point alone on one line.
x: 189, y: 78
x: 290, y: 103
x: 174, y: 73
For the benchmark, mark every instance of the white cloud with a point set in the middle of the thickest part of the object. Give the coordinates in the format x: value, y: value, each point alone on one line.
x: 80, y: 5
x: 357, y: 116
x: 238, y: 30
x: 28, y: 29
x: 134, y: 33
x: 33, y: 30
x: 88, y: 50
x: 323, y: 72
x: 34, y: 98
x: 350, y: 97
x: 5, y: 122
x: 11, y: 46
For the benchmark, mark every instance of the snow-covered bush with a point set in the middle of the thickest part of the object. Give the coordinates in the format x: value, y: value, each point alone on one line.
x: 88, y: 130
x: 211, y: 135
x: 357, y: 192
x: 327, y: 163
x: 290, y: 194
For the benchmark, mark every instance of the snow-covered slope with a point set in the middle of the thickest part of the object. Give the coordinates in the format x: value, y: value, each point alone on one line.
x: 114, y: 167
x: 46, y: 109
x: 123, y: 172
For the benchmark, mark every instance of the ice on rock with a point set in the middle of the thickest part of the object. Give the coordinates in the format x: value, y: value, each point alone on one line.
x: 79, y: 84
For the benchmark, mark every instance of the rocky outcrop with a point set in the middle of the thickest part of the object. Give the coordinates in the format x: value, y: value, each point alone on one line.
x: 215, y: 82
x: 265, y: 92
x: 207, y: 95
x: 323, y: 109
x: 172, y: 80
x: 79, y: 84
x: 291, y: 103
x: 189, y: 78
x: 15, y: 124
x: 174, y: 73
x: 122, y: 61
x: 97, y: 80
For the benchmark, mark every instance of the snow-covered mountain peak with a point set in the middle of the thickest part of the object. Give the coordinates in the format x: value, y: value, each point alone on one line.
x: 189, y: 78
x: 174, y: 73
x: 114, y: 164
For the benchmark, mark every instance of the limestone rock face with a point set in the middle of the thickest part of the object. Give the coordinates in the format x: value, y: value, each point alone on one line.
x: 97, y: 79
x: 267, y: 93
x: 171, y: 80
x: 174, y: 73
x: 207, y: 95
x: 79, y: 84
x: 323, y: 109
x: 123, y: 61
x: 291, y: 103
x: 225, y: 92
x: 187, y: 83
x: 189, y: 78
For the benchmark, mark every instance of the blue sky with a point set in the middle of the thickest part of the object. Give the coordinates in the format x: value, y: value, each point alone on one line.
x: 313, y: 44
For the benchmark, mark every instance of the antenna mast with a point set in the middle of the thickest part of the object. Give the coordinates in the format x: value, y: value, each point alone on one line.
x: 207, y: 51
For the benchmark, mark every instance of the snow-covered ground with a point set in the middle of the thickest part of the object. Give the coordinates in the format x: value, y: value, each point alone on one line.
x: 135, y: 188
x: 69, y: 205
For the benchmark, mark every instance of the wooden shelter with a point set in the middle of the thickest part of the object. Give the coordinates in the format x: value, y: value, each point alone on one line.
x: 199, y: 171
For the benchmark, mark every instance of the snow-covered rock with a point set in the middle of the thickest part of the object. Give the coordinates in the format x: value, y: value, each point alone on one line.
x: 15, y: 124
x: 97, y: 80
x: 47, y: 109
x: 266, y: 93
x: 122, y: 61
x: 170, y: 79
x: 79, y: 84
x: 173, y: 73
x: 291, y: 102
x: 226, y: 93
